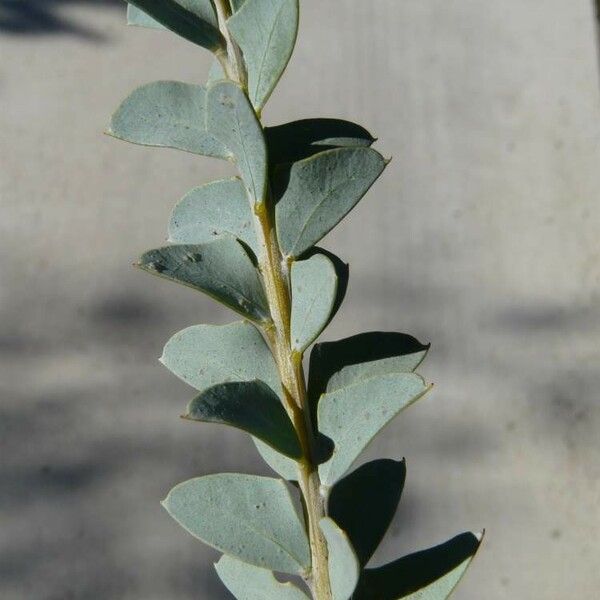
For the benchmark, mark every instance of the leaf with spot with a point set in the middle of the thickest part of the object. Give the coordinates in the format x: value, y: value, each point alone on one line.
x: 207, y: 355
x: 215, y: 209
x: 364, y: 502
x: 266, y: 31
x: 344, y: 568
x: 314, y: 291
x: 247, y: 582
x: 248, y: 517
x: 251, y: 406
x: 294, y: 141
x: 193, y: 20
x: 428, y: 575
x: 231, y: 119
x: 352, y: 416
x: 170, y: 114
x: 313, y: 195
x: 221, y: 269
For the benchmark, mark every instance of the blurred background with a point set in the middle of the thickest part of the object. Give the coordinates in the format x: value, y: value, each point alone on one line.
x: 483, y: 237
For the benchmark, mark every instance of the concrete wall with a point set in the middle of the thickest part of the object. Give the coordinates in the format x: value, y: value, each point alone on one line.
x: 481, y: 237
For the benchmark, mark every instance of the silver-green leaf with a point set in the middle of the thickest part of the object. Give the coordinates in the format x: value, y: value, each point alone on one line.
x: 251, y: 406
x: 344, y: 568
x: 207, y: 355
x: 170, y: 114
x: 314, y: 289
x: 432, y: 574
x: 251, y: 518
x: 217, y: 208
x: 285, y: 467
x: 352, y: 416
x: 203, y: 9
x: 232, y: 120
x: 266, y: 32
x: 221, y: 268
x: 139, y: 18
x: 247, y: 582
x: 316, y: 193
x: 193, y: 20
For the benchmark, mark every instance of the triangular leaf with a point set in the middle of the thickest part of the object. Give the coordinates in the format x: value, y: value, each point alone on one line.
x: 236, y: 4
x: 334, y: 365
x: 222, y: 269
x: 266, y: 32
x: 344, y: 568
x: 297, y: 140
x: 203, y: 9
x: 363, y: 504
x: 314, y: 291
x: 285, y: 467
x: 139, y: 18
x: 428, y: 575
x: 316, y: 193
x: 207, y: 355
x: 247, y: 582
x: 216, y: 72
x: 193, y: 20
x: 231, y: 119
x: 217, y: 208
x: 352, y: 416
x: 169, y: 114
x: 251, y: 518
x: 250, y: 406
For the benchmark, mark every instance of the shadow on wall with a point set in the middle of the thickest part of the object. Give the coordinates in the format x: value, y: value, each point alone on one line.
x: 48, y: 17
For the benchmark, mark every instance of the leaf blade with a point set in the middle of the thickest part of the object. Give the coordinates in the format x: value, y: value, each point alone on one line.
x: 168, y: 114
x: 221, y: 269
x: 346, y: 418
x: 249, y: 517
x: 231, y: 119
x: 252, y: 407
x: 266, y: 32
x: 314, y: 285
x: 316, y: 193
x: 344, y: 568
x: 247, y: 582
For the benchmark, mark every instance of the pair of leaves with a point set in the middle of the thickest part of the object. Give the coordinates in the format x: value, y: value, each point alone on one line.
x: 248, y: 517
x: 265, y: 31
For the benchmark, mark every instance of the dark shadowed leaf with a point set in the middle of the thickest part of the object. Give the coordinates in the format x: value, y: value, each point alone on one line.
x: 297, y: 140
x: 169, y: 114
x: 222, y: 269
x: 251, y: 518
x: 363, y: 504
x: 251, y: 406
x: 428, y: 575
x: 193, y: 20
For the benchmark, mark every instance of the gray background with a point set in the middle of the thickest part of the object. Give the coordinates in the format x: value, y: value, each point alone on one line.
x: 481, y: 237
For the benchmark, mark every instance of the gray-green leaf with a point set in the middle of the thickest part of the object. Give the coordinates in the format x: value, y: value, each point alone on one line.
x: 251, y: 518
x: 170, y: 114
x: 251, y: 406
x: 203, y: 9
x: 318, y: 192
x: 352, y: 416
x: 207, y: 355
x: 285, y: 467
x: 344, y: 568
x: 334, y: 365
x: 301, y: 139
x: 266, y: 32
x: 139, y: 18
x: 428, y: 575
x: 231, y: 119
x: 217, y: 208
x: 247, y: 582
x: 363, y: 503
x: 193, y: 20
x: 314, y: 289
x: 222, y: 269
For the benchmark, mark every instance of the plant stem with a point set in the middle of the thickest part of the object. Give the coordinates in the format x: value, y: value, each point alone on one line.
x: 289, y: 362
x: 232, y: 61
